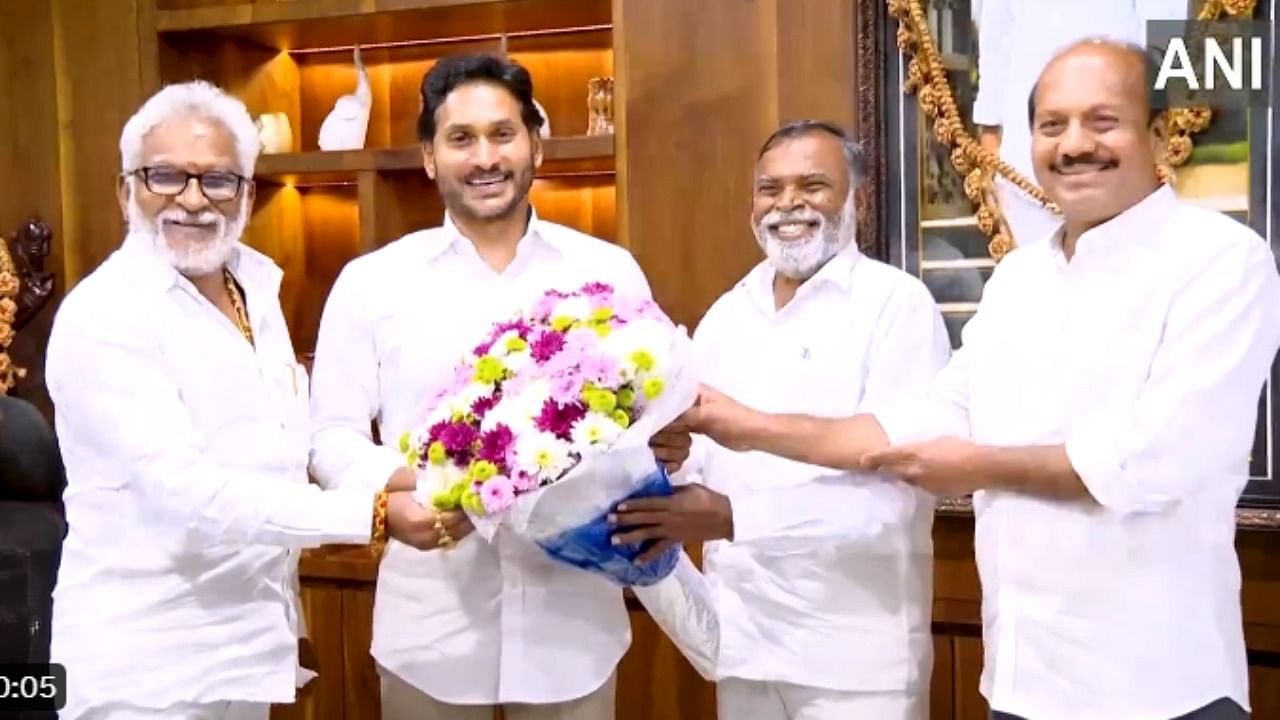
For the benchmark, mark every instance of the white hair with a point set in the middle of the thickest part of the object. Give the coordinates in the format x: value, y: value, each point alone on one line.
x: 191, y: 99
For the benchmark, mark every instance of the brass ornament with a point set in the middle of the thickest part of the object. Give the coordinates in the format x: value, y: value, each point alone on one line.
x: 9, y: 287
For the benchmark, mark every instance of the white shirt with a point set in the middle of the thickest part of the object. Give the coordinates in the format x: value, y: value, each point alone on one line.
x: 828, y: 581
x: 1145, y: 354
x: 482, y: 623
x: 1018, y: 38
x: 187, y: 494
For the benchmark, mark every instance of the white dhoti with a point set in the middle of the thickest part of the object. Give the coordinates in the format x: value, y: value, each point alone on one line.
x: 182, y: 711
x: 402, y: 701
x: 754, y: 700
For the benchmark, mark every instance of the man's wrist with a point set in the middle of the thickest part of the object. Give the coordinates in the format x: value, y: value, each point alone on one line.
x: 758, y: 430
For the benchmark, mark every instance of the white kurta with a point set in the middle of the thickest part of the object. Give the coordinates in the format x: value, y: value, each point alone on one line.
x: 1145, y: 354
x: 482, y: 623
x: 827, y: 583
x: 187, y: 495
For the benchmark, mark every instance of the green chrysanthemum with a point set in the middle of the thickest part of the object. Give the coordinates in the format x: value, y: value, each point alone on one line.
x: 626, y: 397
x: 489, y: 370
x: 652, y: 387
x: 602, y: 401
x: 436, y: 453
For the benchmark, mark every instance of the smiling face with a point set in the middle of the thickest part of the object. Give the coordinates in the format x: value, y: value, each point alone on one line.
x: 1092, y: 144
x: 195, y: 234
x: 482, y: 156
x: 802, y: 209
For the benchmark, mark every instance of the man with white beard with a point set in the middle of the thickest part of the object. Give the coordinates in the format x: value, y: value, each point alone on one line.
x: 182, y: 420
x: 822, y: 579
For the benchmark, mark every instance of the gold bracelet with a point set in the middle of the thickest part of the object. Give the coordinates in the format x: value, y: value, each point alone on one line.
x: 443, y: 539
x: 378, y: 538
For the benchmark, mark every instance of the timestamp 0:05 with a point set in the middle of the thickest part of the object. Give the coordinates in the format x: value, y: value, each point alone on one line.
x: 24, y: 686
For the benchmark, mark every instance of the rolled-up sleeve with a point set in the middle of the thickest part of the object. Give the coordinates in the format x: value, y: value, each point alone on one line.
x: 345, y: 394
x: 1192, y: 421
x: 118, y: 403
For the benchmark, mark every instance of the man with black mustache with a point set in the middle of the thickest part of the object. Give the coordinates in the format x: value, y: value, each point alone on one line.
x: 468, y: 625
x: 1102, y: 411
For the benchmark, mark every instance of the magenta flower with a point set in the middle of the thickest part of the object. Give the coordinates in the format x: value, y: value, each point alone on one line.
x: 559, y: 419
x: 497, y: 494
x: 546, y: 345
x: 495, y: 446
x: 483, y: 405
x: 459, y: 440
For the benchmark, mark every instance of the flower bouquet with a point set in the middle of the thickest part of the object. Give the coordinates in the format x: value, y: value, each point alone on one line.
x: 544, y: 427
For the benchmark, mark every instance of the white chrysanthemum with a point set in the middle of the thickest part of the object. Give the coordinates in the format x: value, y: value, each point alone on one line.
x: 499, y: 347
x: 519, y: 410
x: 594, y: 433
x: 461, y: 401
x: 577, y: 307
x: 434, y: 479
x: 542, y: 455
x: 518, y: 361
x: 649, y: 337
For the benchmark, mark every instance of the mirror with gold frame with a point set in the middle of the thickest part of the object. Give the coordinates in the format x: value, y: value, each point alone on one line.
x: 950, y: 211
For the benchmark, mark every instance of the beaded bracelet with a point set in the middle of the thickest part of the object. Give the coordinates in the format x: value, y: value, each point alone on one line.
x: 378, y: 538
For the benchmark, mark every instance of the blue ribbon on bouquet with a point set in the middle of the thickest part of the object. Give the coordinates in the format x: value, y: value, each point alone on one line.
x: 590, y: 546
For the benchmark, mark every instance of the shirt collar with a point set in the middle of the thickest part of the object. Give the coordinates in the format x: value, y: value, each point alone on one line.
x: 537, y: 232
x: 1139, y: 225
x: 255, y: 271
x: 837, y: 273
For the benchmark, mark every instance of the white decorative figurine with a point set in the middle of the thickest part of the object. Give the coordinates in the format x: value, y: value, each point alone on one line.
x: 274, y: 133
x: 346, y: 125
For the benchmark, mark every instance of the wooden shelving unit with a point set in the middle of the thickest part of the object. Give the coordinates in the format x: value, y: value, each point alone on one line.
x: 583, y: 155
x: 317, y: 210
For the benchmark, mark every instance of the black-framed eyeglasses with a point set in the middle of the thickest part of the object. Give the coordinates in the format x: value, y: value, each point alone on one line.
x: 217, y: 185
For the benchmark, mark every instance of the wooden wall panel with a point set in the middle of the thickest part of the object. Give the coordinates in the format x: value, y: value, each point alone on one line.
x: 695, y: 108
x: 29, y: 170
x: 693, y: 113
x: 96, y: 50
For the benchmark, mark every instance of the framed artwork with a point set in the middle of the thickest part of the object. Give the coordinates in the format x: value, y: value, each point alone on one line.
x: 927, y: 225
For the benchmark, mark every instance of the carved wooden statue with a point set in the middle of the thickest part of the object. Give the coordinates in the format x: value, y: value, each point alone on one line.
x: 31, y: 245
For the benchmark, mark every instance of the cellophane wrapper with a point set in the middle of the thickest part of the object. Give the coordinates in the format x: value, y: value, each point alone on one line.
x: 683, y: 605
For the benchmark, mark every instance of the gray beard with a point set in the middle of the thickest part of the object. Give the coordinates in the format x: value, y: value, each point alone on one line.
x: 193, y: 259
x: 801, y: 259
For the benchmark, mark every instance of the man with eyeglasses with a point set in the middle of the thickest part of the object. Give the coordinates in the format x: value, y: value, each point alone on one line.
x: 182, y: 419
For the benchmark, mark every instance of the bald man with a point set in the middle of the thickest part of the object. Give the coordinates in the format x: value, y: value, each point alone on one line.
x: 1101, y: 410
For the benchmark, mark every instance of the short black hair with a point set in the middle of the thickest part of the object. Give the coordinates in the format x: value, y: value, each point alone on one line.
x: 450, y: 72
x: 854, y: 155
x: 1150, y: 68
